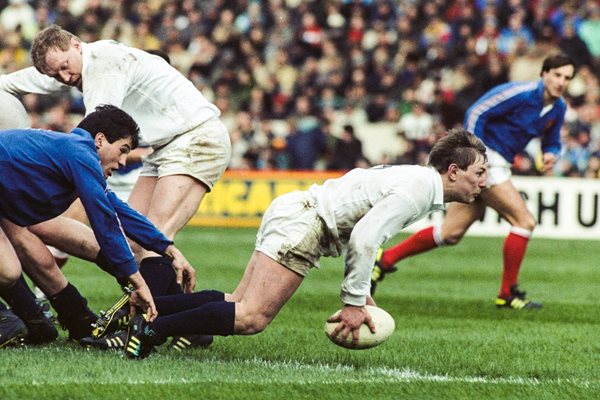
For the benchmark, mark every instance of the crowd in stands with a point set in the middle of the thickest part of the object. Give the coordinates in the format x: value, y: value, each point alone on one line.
x: 297, y: 80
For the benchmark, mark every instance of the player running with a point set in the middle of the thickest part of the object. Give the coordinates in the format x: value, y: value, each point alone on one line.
x: 506, y: 119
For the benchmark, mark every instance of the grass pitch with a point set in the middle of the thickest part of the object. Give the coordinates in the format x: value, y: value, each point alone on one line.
x: 450, y: 340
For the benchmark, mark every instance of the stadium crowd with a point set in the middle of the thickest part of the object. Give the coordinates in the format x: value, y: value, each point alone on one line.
x: 297, y: 80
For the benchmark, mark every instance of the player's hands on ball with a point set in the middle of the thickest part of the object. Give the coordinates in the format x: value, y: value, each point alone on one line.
x: 185, y: 273
x: 349, y: 321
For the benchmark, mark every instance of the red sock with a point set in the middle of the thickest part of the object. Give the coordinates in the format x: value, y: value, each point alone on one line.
x: 513, y: 253
x: 417, y: 243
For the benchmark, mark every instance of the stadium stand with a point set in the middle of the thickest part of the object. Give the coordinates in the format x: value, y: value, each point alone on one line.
x: 360, y: 62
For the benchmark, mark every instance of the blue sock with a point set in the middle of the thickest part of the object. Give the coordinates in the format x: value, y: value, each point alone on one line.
x: 159, y: 276
x: 215, y: 318
x: 166, y: 305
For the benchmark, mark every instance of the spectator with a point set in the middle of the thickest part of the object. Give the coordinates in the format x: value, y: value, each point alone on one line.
x: 19, y: 16
x: 589, y: 31
x: 416, y: 126
x: 513, y: 35
x: 593, y: 168
x: 364, y: 53
x: 306, y: 141
x: 347, y: 151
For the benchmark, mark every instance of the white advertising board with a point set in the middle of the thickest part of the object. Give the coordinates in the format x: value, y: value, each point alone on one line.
x: 565, y: 208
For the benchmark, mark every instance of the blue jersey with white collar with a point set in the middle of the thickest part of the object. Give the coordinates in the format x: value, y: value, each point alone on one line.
x: 508, y: 116
x: 43, y: 172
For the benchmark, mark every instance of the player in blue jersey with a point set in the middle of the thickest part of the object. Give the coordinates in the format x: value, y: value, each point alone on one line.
x: 189, y: 146
x: 43, y: 172
x: 506, y: 119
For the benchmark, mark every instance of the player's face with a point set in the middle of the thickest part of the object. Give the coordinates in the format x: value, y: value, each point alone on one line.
x: 112, y: 155
x: 556, y: 81
x: 65, y: 66
x: 470, y: 182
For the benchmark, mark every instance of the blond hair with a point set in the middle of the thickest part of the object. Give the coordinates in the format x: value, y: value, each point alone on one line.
x: 52, y: 37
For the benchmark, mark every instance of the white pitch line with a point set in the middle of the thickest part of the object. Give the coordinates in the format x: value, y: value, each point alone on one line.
x: 306, y: 373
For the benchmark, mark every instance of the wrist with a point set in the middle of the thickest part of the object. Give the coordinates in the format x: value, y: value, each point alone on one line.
x: 137, y: 280
x: 170, y: 251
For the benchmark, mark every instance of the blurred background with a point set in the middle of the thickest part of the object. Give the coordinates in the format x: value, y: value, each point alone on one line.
x: 332, y: 85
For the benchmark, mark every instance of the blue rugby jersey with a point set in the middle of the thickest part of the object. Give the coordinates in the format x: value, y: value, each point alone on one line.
x: 43, y: 172
x: 509, y: 116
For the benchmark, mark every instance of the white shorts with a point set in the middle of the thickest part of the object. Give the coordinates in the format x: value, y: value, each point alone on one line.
x: 498, y: 168
x: 292, y: 233
x: 203, y: 153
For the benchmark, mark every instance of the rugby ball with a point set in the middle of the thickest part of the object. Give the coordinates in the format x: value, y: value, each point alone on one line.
x: 384, y: 327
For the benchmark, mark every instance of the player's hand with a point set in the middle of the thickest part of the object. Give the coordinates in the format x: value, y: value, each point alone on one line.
x: 349, y: 321
x: 548, y: 160
x: 185, y: 273
x: 141, y: 298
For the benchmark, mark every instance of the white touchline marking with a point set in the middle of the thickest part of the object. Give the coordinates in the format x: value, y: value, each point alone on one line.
x: 320, y: 373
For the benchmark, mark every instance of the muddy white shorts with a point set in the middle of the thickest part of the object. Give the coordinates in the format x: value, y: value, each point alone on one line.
x: 203, y: 153
x: 292, y: 233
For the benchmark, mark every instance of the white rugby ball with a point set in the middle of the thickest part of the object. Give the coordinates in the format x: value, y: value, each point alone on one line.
x: 384, y: 327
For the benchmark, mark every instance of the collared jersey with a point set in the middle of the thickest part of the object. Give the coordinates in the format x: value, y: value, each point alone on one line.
x: 509, y: 116
x: 43, y: 172
x: 160, y: 99
x: 366, y: 207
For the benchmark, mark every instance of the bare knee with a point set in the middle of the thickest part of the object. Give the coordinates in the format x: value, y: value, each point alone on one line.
x: 453, y: 237
x: 250, y: 323
x: 9, y: 277
x: 526, y: 222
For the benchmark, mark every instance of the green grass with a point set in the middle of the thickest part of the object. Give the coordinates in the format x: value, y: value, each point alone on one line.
x: 450, y: 340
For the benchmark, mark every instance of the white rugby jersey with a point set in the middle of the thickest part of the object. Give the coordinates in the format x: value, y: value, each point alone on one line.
x: 162, y: 101
x: 366, y: 207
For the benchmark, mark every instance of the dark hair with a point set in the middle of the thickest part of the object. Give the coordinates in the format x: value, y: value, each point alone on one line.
x: 113, y: 122
x: 161, y: 54
x: 557, y: 61
x: 457, y: 147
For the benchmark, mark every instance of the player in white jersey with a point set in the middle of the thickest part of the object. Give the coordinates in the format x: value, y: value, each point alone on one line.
x: 351, y: 215
x: 191, y: 147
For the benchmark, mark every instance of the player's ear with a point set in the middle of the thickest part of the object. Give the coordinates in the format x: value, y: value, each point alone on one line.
x: 453, y: 172
x: 99, y: 140
x: 75, y: 43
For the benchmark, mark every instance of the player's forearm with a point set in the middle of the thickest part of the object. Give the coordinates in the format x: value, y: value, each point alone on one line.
x: 29, y: 80
x: 136, y: 280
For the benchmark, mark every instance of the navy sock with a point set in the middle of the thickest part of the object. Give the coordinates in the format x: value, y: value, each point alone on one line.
x: 159, y: 276
x: 68, y: 302
x: 3, y: 306
x: 21, y: 299
x: 73, y: 313
x: 215, y: 318
x: 166, y: 305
